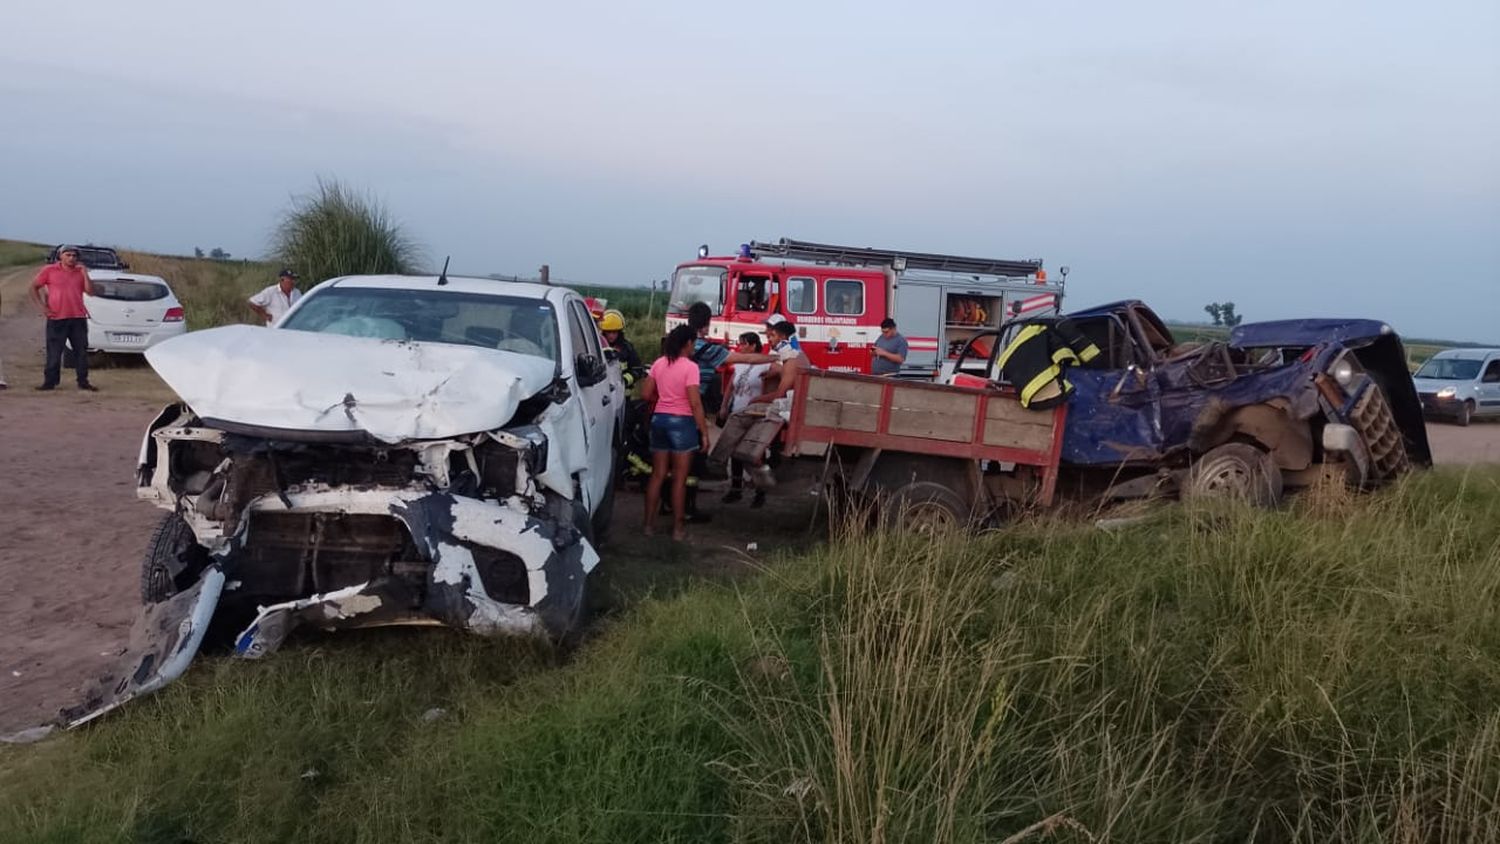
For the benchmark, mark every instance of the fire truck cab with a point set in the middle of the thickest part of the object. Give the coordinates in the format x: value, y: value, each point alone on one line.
x: 837, y: 297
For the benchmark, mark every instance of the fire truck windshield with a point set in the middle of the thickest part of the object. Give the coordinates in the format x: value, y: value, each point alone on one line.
x: 698, y: 284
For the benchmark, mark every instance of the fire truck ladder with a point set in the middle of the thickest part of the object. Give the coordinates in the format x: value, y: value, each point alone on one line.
x: 823, y: 253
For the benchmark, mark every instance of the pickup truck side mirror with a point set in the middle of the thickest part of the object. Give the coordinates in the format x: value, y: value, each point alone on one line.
x: 589, y: 369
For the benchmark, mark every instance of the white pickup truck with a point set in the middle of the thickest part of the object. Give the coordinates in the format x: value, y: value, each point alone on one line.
x: 397, y: 450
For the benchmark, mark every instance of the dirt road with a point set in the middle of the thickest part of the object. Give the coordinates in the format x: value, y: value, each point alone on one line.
x: 1478, y: 443
x: 71, y: 531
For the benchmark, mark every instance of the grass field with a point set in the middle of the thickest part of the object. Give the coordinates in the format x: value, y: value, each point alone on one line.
x: 1324, y: 673
x: 17, y: 253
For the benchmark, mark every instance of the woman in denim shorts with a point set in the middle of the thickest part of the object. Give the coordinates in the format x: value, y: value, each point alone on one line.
x: 678, y: 427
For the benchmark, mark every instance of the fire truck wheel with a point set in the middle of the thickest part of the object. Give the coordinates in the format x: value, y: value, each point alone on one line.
x: 930, y: 508
x: 1238, y: 471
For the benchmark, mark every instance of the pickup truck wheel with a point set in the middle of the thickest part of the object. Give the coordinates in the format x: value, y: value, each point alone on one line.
x: 930, y: 508
x: 1373, y: 419
x: 1238, y: 471
x: 170, y: 555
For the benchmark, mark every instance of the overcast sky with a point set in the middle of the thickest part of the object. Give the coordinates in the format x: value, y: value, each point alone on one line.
x: 1298, y: 158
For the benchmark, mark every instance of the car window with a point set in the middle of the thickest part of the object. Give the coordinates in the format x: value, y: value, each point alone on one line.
x: 801, y: 295
x: 846, y: 297
x: 130, y: 291
x: 1492, y: 372
x: 753, y: 292
x: 1452, y: 369
x: 506, y: 323
x: 581, y: 328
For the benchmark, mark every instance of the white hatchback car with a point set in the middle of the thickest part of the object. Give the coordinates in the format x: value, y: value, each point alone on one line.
x: 129, y: 312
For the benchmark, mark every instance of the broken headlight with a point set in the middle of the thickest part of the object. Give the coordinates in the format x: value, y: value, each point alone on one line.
x: 1346, y: 371
x: 508, y: 459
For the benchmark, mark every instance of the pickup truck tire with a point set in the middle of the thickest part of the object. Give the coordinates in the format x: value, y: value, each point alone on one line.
x: 168, y: 557
x: 1238, y: 471
x: 930, y: 508
x: 1373, y: 420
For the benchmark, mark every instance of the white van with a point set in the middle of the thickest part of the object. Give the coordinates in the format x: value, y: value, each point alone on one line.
x: 1460, y: 384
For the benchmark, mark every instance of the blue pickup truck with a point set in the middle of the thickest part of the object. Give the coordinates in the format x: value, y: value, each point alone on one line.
x: 1277, y: 406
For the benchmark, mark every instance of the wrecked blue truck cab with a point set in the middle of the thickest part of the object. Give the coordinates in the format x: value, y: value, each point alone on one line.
x: 1277, y: 406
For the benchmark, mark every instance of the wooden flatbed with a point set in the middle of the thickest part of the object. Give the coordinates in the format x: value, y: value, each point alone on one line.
x: 981, y: 427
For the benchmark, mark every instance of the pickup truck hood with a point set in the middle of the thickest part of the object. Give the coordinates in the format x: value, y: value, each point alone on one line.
x: 300, y: 382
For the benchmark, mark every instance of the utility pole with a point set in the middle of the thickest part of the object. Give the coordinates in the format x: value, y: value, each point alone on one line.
x: 651, y: 305
x: 546, y: 274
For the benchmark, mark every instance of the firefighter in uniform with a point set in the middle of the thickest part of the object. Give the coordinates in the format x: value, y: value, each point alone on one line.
x: 612, y: 326
x: 1036, y: 360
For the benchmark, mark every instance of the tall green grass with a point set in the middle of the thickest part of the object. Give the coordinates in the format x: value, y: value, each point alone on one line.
x: 1329, y: 672
x: 212, y: 292
x: 17, y: 253
x: 336, y: 231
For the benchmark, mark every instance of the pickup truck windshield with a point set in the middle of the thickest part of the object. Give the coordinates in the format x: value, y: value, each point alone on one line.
x: 1450, y: 369
x: 510, y: 324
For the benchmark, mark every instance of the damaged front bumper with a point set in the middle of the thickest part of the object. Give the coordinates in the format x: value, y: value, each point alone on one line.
x: 482, y: 566
x: 466, y: 533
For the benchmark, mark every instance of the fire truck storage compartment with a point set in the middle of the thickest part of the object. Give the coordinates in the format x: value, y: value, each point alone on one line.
x: 966, y: 314
x: 949, y: 314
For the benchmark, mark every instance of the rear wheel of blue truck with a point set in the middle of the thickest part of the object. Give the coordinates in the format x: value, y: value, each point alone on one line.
x: 1238, y: 471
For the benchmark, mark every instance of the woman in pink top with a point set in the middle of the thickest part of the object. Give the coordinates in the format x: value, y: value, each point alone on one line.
x: 678, y: 428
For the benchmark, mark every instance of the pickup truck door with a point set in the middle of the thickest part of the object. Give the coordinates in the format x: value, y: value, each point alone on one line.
x: 600, y: 395
x: 1114, y: 414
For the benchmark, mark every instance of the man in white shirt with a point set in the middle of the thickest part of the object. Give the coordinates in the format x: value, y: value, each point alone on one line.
x: 749, y: 382
x: 272, y: 303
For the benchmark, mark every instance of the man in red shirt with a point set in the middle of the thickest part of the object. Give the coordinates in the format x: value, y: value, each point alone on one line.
x: 58, y: 290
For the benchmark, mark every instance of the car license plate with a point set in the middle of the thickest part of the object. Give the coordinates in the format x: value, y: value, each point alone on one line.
x: 128, y: 339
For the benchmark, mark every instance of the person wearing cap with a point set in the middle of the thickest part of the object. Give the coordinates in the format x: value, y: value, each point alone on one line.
x: 273, y: 302
x: 890, y: 350
x: 59, y: 290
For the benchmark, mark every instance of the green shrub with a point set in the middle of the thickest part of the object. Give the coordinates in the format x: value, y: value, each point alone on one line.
x: 336, y: 232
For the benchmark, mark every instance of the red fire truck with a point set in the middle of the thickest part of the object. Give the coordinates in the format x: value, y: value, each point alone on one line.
x: 838, y: 295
